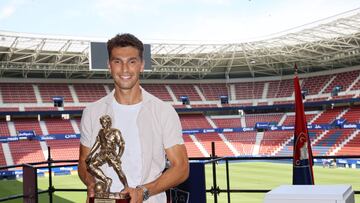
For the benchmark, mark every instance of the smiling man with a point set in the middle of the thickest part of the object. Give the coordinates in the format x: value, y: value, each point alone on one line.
x: 151, y: 129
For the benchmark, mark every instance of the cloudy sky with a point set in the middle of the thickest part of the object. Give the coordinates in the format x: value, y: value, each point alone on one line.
x: 166, y: 20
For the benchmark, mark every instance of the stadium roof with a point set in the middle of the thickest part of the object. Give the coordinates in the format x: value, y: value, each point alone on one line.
x: 327, y: 44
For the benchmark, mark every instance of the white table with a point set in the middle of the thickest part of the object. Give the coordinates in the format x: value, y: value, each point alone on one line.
x: 311, y: 194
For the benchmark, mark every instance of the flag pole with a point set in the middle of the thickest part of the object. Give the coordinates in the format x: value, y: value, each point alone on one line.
x: 302, y: 158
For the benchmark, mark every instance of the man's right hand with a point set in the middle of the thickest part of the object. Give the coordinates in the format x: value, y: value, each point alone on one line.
x: 84, y: 175
x: 90, y: 191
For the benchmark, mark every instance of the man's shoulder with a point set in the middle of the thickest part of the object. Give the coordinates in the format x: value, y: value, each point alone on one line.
x: 96, y: 105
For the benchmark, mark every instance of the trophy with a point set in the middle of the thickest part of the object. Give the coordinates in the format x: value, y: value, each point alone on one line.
x: 108, y: 148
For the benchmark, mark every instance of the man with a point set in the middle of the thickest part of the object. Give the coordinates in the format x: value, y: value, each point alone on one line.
x: 151, y: 129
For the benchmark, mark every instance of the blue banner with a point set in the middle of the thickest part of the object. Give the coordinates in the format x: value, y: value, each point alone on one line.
x: 40, y: 171
x: 26, y: 133
x: 58, y: 98
x: 346, y: 126
x: 40, y: 138
x: 262, y: 125
x: 338, y: 122
x: 59, y: 137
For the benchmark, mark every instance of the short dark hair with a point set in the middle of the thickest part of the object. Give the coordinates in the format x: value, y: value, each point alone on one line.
x: 125, y: 40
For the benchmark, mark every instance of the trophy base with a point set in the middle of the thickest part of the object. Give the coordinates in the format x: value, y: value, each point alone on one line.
x: 104, y: 200
x: 112, y: 198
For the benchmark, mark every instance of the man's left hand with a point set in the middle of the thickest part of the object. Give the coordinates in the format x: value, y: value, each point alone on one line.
x: 136, y: 194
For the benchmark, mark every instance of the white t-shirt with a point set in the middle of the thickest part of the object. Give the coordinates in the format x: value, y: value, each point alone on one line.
x: 125, y: 121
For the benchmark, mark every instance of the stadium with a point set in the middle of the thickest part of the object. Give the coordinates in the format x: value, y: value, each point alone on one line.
x: 235, y: 101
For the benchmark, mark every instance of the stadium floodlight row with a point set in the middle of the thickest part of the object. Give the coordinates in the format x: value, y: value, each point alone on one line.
x: 328, y: 44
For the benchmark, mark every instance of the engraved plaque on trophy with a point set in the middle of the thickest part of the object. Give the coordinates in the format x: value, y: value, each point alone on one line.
x: 108, y: 149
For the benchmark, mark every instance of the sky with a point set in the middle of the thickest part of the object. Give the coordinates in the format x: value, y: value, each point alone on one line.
x: 167, y: 20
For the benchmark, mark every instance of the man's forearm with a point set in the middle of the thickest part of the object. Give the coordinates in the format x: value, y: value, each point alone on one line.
x: 170, y: 178
x: 84, y: 175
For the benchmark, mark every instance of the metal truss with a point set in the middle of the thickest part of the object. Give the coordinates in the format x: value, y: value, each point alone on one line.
x: 331, y: 43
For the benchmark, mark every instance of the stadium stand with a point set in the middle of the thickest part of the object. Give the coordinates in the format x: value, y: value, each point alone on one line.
x: 318, y: 88
x: 17, y: 93
x: 28, y: 124
x: 2, y: 157
x: 331, y: 139
x: 328, y: 116
x: 251, y: 120
x: 192, y: 149
x: 272, y: 140
x: 348, y: 96
x: 89, y: 92
x: 315, y: 135
x: 193, y: 121
x: 41, y: 108
x: 316, y: 99
x: 343, y: 79
x: 58, y: 126
x: 158, y: 90
x: 78, y: 121
x: 49, y: 90
x: 243, y: 142
x: 26, y: 151
x: 4, y: 130
x: 212, y: 92
x: 352, y: 147
x: 203, y: 105
x: 290, y: 118
x: 352, y: 115
x: 280, y: 88
x: 249, y: 90
x: 287, y: 149
x: 221, y: 148
x: 5, y: 109
x: 314, y: 84
x: 179, y: 106
x: 64, y: 149
x: 74, y: 107
x: 185, y: 90
x: 283, y: 102
x: 356, y: 85
x: 227, y: 122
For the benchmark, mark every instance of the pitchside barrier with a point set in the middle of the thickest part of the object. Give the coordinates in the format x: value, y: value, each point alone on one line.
x: 192, y: 190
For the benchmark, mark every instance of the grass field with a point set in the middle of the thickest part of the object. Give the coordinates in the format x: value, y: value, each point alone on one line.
x: 245, y: 175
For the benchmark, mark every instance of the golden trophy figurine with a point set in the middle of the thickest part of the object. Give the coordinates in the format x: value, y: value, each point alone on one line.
x: 108, y: 149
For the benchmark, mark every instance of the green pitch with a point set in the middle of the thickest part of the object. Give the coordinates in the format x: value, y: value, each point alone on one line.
x: 245, y: 175
x: 265, y: 175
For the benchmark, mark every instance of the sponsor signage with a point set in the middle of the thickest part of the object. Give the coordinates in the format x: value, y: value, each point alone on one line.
x: 262, y: 125
x: 350, y: 126
x: 30, y: 135
x: 40, y: 170
x: 26, y: 133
